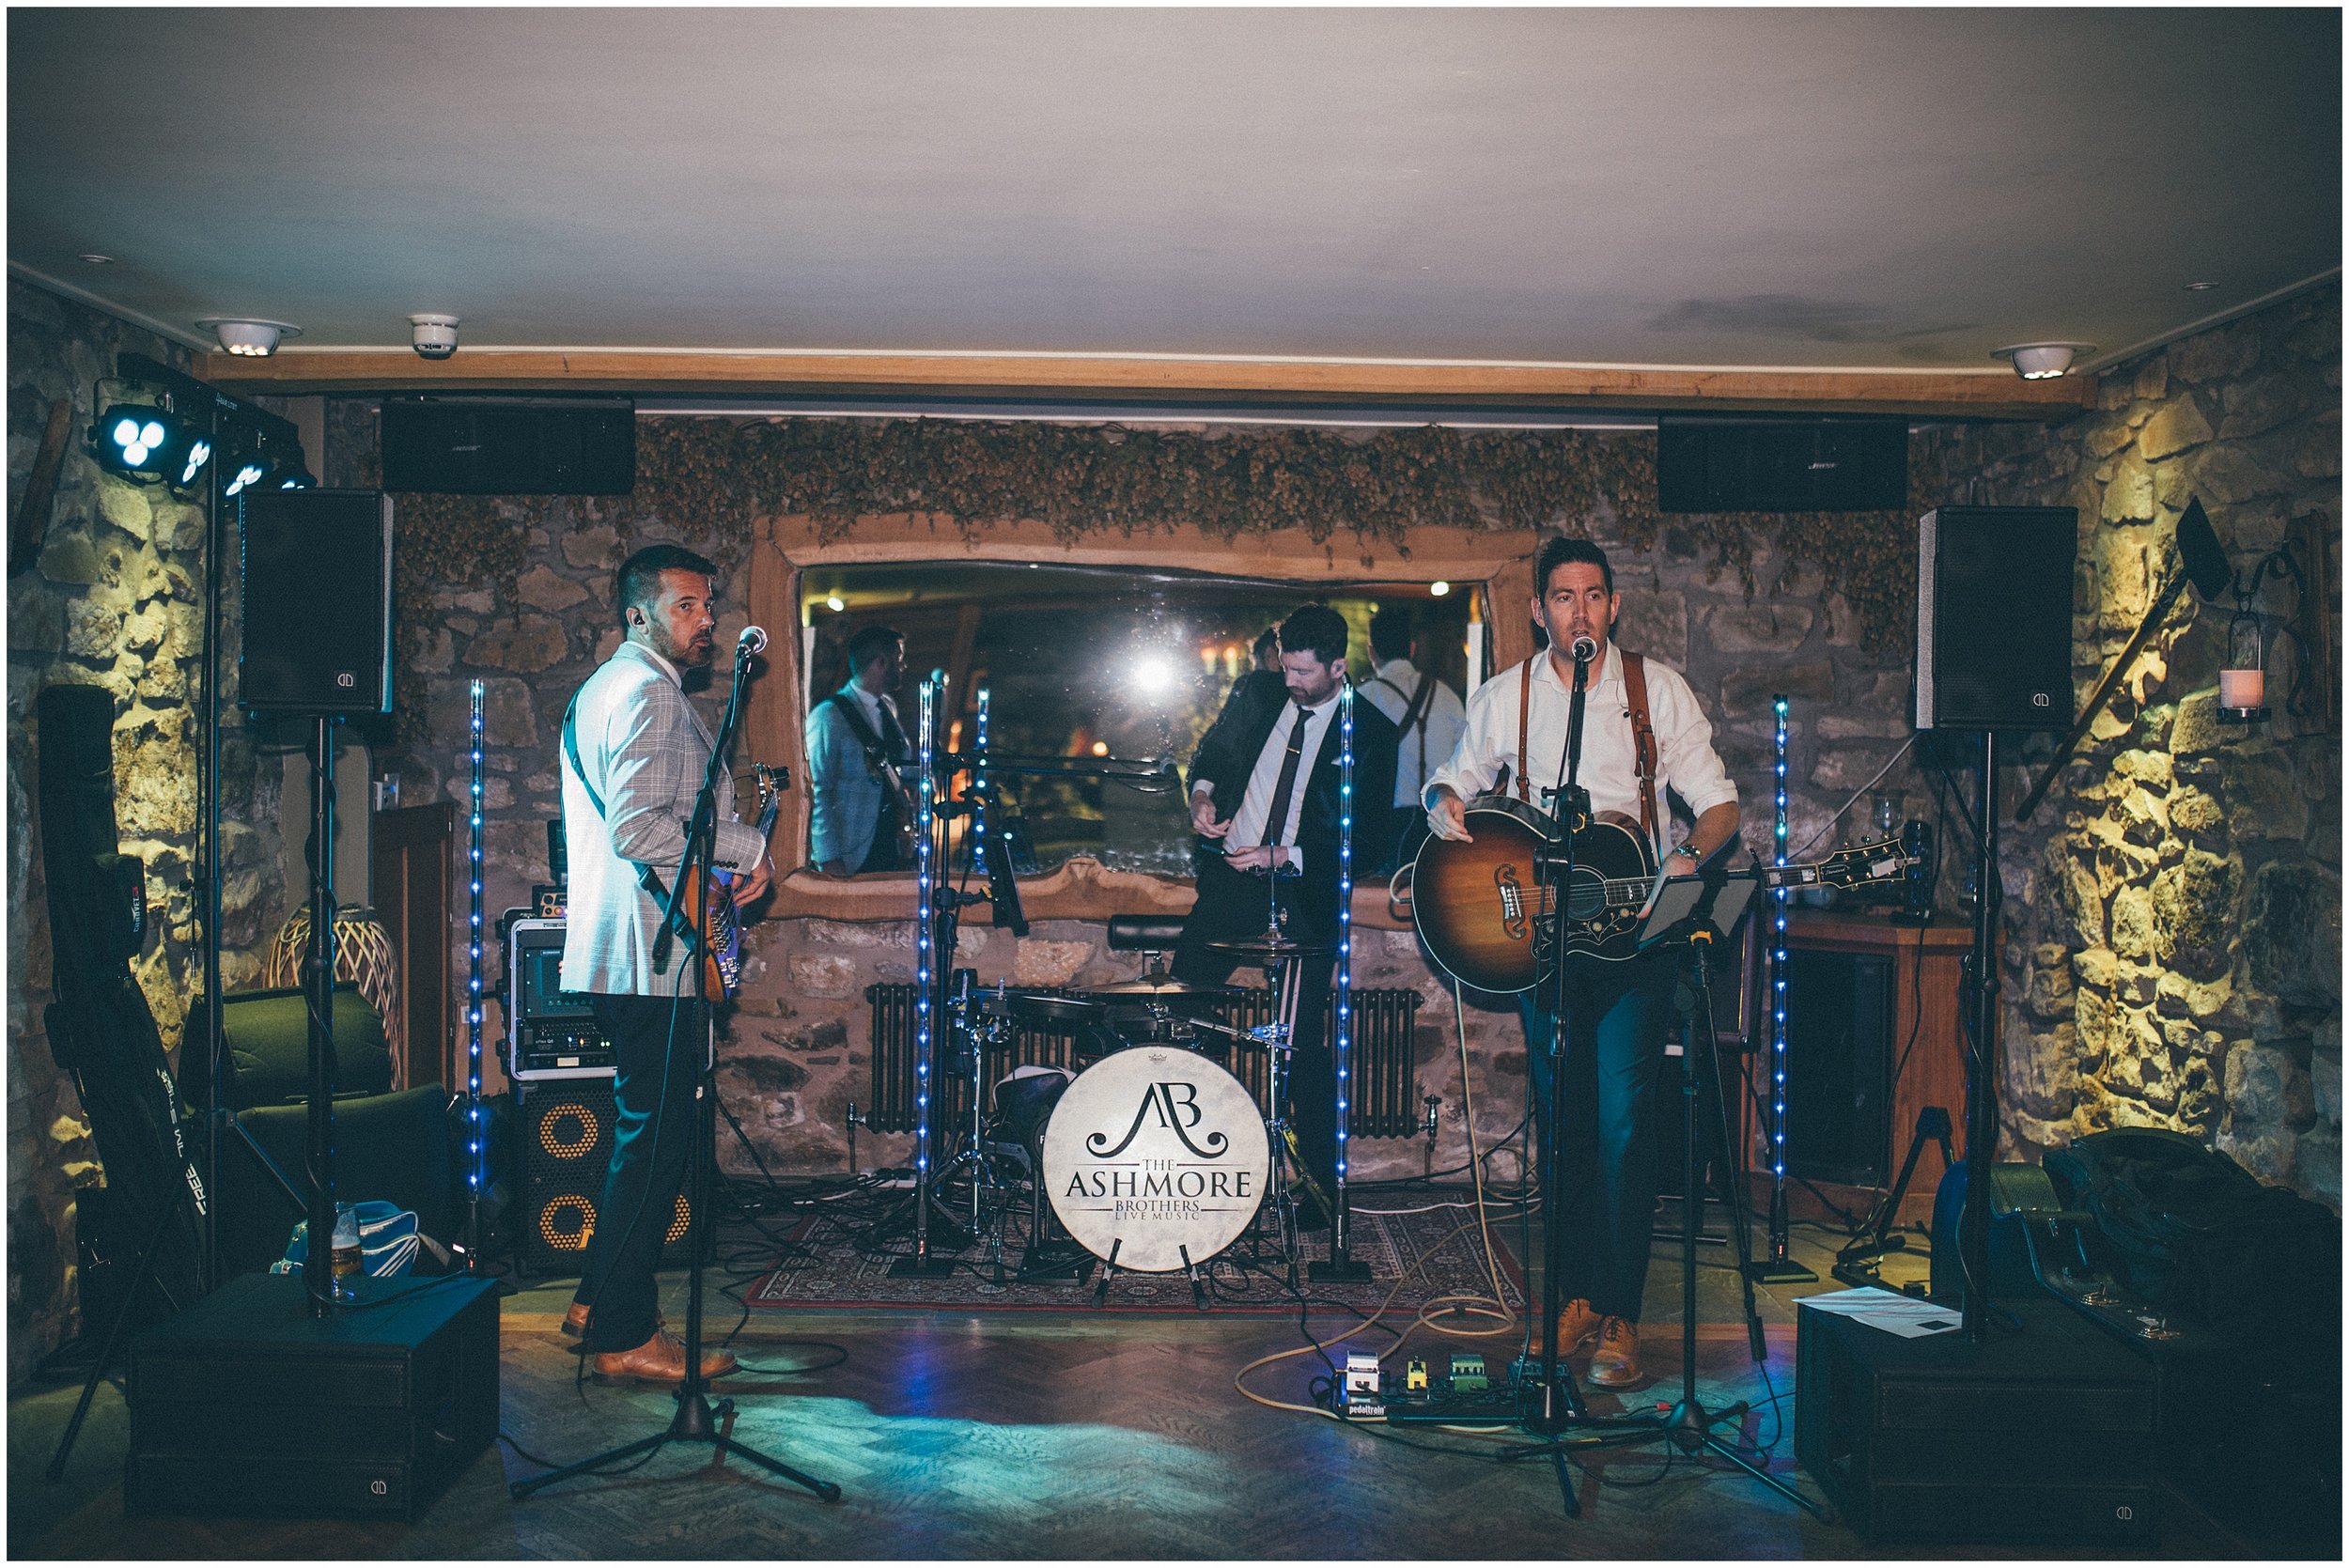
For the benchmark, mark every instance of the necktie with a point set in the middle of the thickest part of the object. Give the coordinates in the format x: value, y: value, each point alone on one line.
x: 1284, y: 791
x: 893, y: 739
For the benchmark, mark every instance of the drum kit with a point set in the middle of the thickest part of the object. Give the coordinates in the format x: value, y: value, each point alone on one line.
x: 1153, y: 1157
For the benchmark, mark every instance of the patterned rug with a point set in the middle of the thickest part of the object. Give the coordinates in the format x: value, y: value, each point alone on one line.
x: 1412, y: 1257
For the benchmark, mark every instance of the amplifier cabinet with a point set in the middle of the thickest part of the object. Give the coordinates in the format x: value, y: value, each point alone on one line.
x: 561, y: 1153
x: 2050, y: 1435
x: 244, y: 1405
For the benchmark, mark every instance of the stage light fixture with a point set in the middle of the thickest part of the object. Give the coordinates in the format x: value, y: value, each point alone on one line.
x: 2042, y: 362
x: 248, y: 336
x: 148, y: 441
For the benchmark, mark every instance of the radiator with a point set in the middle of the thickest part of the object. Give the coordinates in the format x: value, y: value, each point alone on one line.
x: 1386, y: 1102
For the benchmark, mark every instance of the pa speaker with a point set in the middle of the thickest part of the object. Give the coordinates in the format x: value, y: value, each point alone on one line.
x: 1840, y: 1058
x: 563, y: 1148
x: 317, y: 603
x: 510, y: 446
x: 1994, y: 617
x: 1773, y: 464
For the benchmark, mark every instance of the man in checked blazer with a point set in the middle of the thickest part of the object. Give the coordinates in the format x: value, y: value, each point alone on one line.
x: 1264, y: 793
x: 634, y: 756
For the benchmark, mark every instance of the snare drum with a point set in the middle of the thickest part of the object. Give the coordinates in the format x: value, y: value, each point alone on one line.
x: 1156, y: 1158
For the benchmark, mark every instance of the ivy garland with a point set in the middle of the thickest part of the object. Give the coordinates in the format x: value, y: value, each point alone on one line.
x: 726, y: 473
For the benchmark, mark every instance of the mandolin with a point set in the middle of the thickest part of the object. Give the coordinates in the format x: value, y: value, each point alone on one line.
x: 1483, y: 906
x: 717, y: 928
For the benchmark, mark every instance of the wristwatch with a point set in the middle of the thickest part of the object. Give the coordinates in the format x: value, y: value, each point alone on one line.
x: 1688, y: 847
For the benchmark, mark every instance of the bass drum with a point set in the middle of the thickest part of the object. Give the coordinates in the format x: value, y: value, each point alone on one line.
x: 1154, y: 1159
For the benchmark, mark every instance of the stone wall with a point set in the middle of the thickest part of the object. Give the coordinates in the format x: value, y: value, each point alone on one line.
x: 796, y: 1053
x: 2173, y: 920
x: 116, y: 600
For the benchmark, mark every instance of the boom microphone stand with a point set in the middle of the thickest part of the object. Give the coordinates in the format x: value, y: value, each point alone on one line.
x: 1567, y: 801
x: 696, y: 1420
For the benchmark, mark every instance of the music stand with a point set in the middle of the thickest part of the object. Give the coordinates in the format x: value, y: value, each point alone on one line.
x: 1698, y: 911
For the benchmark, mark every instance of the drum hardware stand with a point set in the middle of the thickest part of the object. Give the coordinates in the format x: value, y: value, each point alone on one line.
x: 696, y: 1420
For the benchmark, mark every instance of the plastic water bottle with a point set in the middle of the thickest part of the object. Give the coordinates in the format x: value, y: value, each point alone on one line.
x: 348, y: 1260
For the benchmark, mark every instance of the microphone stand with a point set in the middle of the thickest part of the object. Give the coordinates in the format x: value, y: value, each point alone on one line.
x: 1566, y: 801
x: 696, y: 1420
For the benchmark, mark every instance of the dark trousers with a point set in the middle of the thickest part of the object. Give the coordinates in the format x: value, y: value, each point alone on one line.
x: 1605, y: 1145
x: 653, y: 1135
x: 1231, y: 908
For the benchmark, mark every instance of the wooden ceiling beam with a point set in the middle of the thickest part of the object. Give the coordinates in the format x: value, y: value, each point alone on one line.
x: 1923, y: 394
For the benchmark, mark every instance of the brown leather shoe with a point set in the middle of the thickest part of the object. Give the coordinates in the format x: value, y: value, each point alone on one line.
x: 1576, y: 1323
x: 659, y: 1360
x: 1616, y: 1363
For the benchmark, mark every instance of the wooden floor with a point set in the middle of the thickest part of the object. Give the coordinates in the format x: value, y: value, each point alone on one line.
x: 1024, y: 1436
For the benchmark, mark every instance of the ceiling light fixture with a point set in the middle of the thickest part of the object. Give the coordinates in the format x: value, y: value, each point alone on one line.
x: 247, y: 337
x: 433, y: 334
x: 2042, y: 362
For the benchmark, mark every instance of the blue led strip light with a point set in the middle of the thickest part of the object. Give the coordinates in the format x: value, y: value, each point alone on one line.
x: 978, y: 796
x: 474, y: 1174
x: 923, y: 1046
x: 1777, y: 968
x: 1345, y: 948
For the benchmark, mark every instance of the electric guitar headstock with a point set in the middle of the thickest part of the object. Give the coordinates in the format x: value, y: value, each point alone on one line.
x: 1885, y: 861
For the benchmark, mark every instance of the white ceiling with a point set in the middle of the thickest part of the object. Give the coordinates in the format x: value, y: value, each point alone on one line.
x: 1748, y: 188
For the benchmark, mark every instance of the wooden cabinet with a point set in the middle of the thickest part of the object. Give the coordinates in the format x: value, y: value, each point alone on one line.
x: 413, y: 885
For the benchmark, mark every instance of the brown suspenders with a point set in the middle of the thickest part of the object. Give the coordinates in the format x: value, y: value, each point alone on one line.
x: 1642, y: 733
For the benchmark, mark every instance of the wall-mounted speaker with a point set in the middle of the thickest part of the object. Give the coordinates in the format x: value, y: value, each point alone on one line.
x: 1994, y: 617
x: 317, y: 603
x: 510, y: 445
x: 1775, y: 463
x: 561, y: 1149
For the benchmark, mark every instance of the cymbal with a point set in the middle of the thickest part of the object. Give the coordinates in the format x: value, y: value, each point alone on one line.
x: 1276, y: 952
x: 1146, y: 987
x: 1036, y: 1007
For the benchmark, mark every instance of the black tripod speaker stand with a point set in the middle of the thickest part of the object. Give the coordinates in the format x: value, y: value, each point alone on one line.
x: 696, y: 1420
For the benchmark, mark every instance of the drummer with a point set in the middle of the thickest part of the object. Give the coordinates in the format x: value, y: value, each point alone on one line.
x: 1264, y: 799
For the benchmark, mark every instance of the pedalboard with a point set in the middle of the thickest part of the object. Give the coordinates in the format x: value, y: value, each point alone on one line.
x: 1461, y: 1389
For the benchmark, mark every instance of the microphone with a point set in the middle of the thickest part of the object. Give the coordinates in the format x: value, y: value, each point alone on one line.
x: 1584, y: 649
x: 753, y: 639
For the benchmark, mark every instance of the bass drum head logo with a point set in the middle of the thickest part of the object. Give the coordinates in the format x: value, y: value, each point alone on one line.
x: 1153, y: 1155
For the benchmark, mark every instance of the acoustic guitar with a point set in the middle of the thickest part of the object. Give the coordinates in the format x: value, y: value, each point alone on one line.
x: 1483, y: 908
x: 715, y: 923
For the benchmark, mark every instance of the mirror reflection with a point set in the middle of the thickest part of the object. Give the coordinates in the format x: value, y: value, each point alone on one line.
x: 1109, y: 668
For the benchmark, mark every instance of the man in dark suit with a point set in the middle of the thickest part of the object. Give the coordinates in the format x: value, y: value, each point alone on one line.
x: 1264, y: 785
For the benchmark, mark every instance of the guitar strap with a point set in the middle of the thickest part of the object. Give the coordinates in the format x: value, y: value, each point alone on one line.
x: 1525, y: 712
x: 646, y: 876
x: 862, y: 727
x: 1642, y: 740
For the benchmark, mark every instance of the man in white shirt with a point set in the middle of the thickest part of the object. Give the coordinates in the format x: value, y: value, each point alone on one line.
x: 1428, y: 718
x: 1605, y: 1146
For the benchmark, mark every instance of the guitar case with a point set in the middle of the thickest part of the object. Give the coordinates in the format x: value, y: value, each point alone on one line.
x: 101, y: 1032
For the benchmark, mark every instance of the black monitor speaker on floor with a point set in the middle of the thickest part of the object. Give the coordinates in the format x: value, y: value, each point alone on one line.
x: 1994, y: 617
x: 317, y: 603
